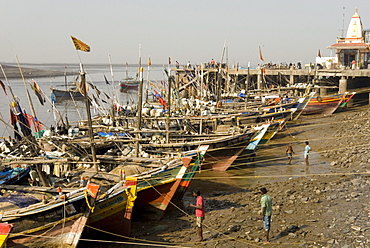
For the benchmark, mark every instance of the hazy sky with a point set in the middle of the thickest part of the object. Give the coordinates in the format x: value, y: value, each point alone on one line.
x: 38, y: 31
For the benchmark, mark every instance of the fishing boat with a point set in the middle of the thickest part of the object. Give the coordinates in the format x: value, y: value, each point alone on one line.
x: 13, y: 176
x: 252, y: 146
x: 52, y: 222
x: 344, y: 103
x: 327, y: 105
x: 223, y: 152
x: 5, y: 229
x: 113, y: 212
x: 59, y: 221
x: 159, y: 179
x: 128, y: 84
x: 192, y: 166
x: 72, y: 93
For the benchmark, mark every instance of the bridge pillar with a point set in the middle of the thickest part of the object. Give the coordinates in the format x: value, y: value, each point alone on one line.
x: 342, y: 85
x: 323, y: 91
x: 259, y: 78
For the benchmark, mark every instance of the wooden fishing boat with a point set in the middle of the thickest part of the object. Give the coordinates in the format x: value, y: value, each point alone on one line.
x: 158, y: 180
x: 57, y: 223
x: 223, y: 153
x: 112, y: 213
x: 274, y: 127
x: 128, y: 84
x: 72, y: 93
x: 326, y: 105
x: 5, y: 229
x: 344, y: 103
x: 192, y: 166
x: 13, y: 176
x: 262, y: 129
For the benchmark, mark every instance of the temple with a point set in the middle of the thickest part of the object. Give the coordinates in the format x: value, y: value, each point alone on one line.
x: 354, y: 49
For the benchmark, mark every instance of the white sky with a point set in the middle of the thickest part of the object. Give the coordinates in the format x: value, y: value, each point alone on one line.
x: 38, y: 31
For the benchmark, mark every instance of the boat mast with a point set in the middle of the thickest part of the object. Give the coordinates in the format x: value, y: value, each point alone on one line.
x: 89, y: 122
x: 28, y: 93
x: 168, y: 103
x: 139, y: 104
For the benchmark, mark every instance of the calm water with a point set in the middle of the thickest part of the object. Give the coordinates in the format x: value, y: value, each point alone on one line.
x: 74, y: 110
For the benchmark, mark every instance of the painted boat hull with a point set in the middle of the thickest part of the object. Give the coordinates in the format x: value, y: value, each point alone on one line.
x: 67, y: 94
x: 155, y: 194
x: 326, y: 105
x: 192, y: 168
x: 58, y: 224
x: 221, y: 155
x: 125, y: 86
x: 113, y: 214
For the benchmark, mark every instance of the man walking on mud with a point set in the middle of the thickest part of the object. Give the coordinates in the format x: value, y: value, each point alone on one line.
x: 266, y: 208
x: 199, y: 213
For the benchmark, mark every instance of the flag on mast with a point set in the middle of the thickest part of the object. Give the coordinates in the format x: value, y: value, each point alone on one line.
x: 319, y: 54
x: 149, y: 62
x: 106, y: 80
x: 79, y: 45
x: 3, y: 86
x: 261, y: 56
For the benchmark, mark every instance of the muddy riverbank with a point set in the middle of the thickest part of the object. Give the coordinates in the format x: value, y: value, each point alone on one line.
x: 323, y: 205
x: 13, y: 72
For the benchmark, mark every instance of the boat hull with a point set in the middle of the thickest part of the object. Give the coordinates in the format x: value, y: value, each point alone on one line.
x: 326, y: 105
x: 113, y: 214
x: 221, y: 155
x: 155, y: 194
x: 67, y: 94
x: 55, y: 224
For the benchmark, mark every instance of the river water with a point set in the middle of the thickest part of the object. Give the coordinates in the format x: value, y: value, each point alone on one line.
x: 74, y: 110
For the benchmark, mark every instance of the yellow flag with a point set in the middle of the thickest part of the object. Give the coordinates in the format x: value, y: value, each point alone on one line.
x: 79, y: 45
x: 149, y: 62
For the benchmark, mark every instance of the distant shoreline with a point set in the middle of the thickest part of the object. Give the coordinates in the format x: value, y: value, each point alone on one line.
x: 12, y: 72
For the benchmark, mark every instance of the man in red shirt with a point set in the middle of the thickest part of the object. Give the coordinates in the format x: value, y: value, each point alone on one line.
x: 199, y: 213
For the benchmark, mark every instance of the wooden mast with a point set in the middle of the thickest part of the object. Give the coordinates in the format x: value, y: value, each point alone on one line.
x: 139, y: 105
x: 88, y: 113
x: 139, y: 111
x: 168, y: 104
x: 28, y: 93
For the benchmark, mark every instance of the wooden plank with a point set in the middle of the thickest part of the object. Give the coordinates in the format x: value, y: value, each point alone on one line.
x: 35, y: 188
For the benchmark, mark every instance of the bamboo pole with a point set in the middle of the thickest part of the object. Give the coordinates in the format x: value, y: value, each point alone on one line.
x: 89, y: 121
x: 139, y: 111
x: 26, y: 88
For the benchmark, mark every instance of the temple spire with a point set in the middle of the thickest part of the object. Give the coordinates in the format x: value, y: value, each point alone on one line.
x: 354, y: 31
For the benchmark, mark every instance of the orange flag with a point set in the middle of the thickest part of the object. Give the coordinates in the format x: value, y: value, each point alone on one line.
x: 79, y: 45
x: 261, y: 57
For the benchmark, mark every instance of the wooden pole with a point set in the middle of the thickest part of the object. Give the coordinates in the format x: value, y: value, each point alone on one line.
x: 139, y: 111
x: 88, y: 113
x: 168, y: 106
x: 25, y: 86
